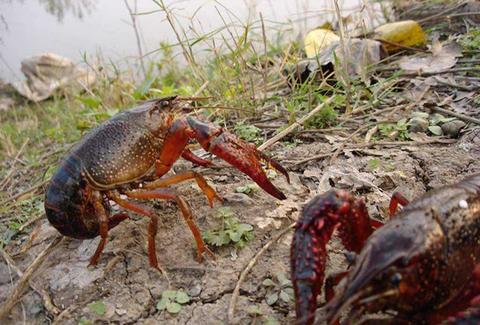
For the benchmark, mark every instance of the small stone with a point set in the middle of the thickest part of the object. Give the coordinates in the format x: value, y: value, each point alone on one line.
x: 238, y: 198
x: 452, y: 128
x: 463, y: 204
x: 195, y: 290
x: 156, y: 292
x: 418, y: 124
x: 222, y: 178
x: 120, y: 312
x: 420, y: 114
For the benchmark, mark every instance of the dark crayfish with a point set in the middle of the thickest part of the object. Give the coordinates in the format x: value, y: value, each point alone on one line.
x: 423, y: 264
x: 127, y: 155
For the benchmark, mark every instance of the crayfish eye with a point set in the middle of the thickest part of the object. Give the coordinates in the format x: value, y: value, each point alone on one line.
x: 395, y: 279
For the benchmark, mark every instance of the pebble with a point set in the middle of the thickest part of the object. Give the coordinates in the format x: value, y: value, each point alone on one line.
x: 418, y: 124
x: 195, y: 290
x: 238, y: 198
x: 452, y: 128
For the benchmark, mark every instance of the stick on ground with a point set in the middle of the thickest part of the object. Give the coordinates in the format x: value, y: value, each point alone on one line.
x: 250, y: 265
x: 22, y: 283
x: 294, y: 125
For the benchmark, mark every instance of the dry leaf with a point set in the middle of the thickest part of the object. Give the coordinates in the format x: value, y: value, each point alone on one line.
x: 404, y: 33
x: 443, y: 57
x: 317, y: 40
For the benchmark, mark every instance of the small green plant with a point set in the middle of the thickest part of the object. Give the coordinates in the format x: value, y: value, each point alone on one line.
x: 247, y: 189
x: 325, y: 118
x: 373, y: 164
x: 248, y: 132
x: 279, y: 290
x: 395, y: 131
x: 231, y: 231
x: 98, y: 307
x: 471, y: 40
x: 172, y: 301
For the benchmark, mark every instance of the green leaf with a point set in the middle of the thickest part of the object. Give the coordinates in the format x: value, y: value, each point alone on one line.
x: 243, y: 189
x: 173, y: 308
x: 98, y: 307
x: 169, y: 294
x: 162, y: 304
x: 224, y: 212
x: 282, y: 279
x: 284, y: 296
x: 223, y: 238
x: 435, y: 130
x: 244, y: 227
x: 90, y: 101
x: 447, y: 119
x: 272, y: 299
x: 254, y: 310
x: 182, y: 297
x: 235, y: 236
x: 373, y: 164
x: 268, y: 283
x: 289, y: 291
x: 144, y: 87
x: 248, y: 236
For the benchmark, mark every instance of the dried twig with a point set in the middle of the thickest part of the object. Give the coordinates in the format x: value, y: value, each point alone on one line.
x: 294, y: 125
x: 137, y: 35
x: 250, y: 265
x: 12, y: 169
x: 31, y: 221
x: 457, y: 115
x: 47, y: 301
x: 22, y: 283
x: 28, y: 190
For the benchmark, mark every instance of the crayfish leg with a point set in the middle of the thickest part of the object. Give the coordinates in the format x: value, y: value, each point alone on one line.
x: 103, y: 227
x: 190, y: 156
x: 331, y: 282
x: 152, y: 226
x: 184, y: 208
x: 201, y: 182
x: 114, y: 220
x: 396, y: 199
x: 188, y: 216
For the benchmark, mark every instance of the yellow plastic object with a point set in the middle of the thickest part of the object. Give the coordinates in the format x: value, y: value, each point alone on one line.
x: 405, y: 33
x: 318, y: 39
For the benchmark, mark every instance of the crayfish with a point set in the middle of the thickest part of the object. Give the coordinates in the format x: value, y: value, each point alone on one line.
x: 423, y: 265
x: 127, y: 156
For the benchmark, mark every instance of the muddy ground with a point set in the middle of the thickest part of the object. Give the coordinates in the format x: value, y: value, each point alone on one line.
x: 130, y: 289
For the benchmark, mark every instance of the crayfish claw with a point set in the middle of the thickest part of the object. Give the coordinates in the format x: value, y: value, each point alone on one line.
x: 242, y: 155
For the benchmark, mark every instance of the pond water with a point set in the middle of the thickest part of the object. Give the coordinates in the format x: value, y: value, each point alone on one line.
x: 74, y: 28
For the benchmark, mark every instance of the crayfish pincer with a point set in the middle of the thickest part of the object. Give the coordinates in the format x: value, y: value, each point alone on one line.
x: 422, y: 266
x: 126, y: 157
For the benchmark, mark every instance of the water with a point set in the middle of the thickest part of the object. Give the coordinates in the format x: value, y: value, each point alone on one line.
x: 75, y: 28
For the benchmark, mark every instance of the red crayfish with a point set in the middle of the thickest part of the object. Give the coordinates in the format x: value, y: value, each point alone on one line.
x: 127, y: 155
x: 423, y: 264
